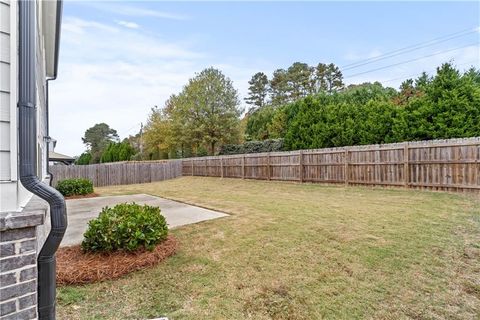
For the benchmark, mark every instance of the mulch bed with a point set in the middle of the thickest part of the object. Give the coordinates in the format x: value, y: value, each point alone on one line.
x: 76, y: 267
x: 81, y: 196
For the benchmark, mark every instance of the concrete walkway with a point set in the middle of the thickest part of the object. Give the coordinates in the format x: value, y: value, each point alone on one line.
x: 80, y: 211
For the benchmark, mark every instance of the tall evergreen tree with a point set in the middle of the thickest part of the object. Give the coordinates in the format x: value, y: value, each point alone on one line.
x: 279, y: 89
x: 97, y: 139
x: 299, y: 81
x: 118, y: 151
x: 328, y: 78
x: 257, y: 91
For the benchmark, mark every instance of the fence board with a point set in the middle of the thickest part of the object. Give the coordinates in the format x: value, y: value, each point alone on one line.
x: 118, y: 173
x: 452, y: 165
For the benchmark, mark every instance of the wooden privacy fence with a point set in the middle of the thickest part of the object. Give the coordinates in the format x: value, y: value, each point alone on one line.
x: 118, y: 173
x: 451, y: 165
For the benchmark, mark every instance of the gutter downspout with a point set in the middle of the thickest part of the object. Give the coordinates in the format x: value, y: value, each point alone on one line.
x: 27, y: 160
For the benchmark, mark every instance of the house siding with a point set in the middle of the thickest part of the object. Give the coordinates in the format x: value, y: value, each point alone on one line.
x: 5, y: 91
x: 24, y: 218
x: 41, y: 101
x: 14, y: 195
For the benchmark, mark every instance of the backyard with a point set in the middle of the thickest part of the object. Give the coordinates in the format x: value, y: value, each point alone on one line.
x: 301, y: 251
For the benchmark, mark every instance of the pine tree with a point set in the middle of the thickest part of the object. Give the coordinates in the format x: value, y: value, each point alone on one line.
x: 299, y: 77
x: 328, y: 78
x: 257, y: 91
x: 279, y: 89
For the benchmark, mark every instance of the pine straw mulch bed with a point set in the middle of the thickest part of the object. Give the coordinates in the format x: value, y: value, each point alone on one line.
x: 81, y: 196
x: 76, y: 267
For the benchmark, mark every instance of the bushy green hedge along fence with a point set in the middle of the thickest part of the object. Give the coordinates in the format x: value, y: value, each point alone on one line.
x: 441, y: 107
x: 270, y: 145
x: 126, y: 226
x: 73, y: 187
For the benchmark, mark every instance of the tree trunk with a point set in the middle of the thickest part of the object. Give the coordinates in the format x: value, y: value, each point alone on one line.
x: 213, y: 148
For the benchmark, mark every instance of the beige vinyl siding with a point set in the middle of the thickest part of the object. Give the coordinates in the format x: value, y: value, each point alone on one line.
x: 5, y: 91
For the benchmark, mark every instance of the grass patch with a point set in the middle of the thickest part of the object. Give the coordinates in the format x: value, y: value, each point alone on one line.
x: 70, y: 296
x: 301, y: 251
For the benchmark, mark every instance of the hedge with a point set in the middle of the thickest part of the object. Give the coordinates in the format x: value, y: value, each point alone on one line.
x: 270, y: 145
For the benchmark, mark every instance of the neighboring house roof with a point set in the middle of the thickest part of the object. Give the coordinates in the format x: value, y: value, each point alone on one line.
x: 58, y: 157
x: 51, y: 21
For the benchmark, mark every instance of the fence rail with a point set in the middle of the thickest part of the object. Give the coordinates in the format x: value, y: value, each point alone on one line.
x: 451, y: 165
x: 118, y: 173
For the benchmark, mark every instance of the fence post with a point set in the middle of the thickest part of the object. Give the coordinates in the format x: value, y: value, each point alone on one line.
x: 406, y: 165
x: 346, y: 167
x: 268, y: 166
x: 300, y: 163
x: 206, y: 167
x: 95, y: 183
x: 192, y: 167
x: 243, y: 167
x: 221, y: 166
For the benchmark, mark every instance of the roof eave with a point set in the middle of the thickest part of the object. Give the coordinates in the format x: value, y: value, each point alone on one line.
x: 52, y: 20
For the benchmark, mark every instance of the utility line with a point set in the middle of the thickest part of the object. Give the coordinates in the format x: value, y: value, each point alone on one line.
x: 419, y: 73
x: 410, y: 60
x: 410, y: 48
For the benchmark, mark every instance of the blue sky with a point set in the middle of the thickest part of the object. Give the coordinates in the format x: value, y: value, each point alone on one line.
x: 120, y: 58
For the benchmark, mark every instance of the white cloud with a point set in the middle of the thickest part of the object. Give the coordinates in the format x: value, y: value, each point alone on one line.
x: 135, y: 11
x: 83, y: 39
x: 115, y: 75
x: 128, y: 24
x: 80, y: 26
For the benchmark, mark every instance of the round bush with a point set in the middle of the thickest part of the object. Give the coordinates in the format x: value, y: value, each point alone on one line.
x: 127, y: 226
x: 73, y: 187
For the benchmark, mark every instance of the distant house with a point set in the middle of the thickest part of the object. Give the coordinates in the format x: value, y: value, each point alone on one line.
x: 58, y: 158
x: 29, y: 237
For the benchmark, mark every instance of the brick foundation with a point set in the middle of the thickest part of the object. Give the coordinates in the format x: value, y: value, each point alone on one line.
x: 21, y: 236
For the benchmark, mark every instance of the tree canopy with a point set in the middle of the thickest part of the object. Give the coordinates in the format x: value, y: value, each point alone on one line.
x: 303, y: 107
x: 288, y: 85
x: 118, y: 151
x: 257, y: 91
x: 444, y: 106
x: 204, y: 115
x: 97, y: 138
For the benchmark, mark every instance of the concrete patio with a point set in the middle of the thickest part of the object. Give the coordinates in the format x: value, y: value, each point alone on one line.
x: 80, y: 211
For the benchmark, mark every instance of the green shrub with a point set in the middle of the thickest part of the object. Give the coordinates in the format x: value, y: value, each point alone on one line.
x: 270, y: 145
x: 84, y: 159
x: 127, y: 226
x: 72, y: 187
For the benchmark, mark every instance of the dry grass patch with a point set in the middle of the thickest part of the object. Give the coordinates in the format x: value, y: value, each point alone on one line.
x: 301, y: 251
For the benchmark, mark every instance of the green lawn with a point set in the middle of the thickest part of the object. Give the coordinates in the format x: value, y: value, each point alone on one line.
x: 301, y: 251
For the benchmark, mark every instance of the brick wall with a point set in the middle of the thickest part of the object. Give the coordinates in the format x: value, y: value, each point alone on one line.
x: 18, y: 261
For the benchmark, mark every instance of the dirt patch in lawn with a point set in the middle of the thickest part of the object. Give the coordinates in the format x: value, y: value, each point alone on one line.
x: 81, y: 196
x: 77, y: 267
